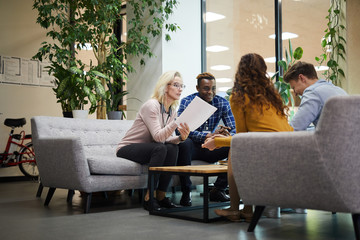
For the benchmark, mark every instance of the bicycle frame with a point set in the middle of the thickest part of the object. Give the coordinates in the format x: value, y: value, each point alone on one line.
x: 6, y: 156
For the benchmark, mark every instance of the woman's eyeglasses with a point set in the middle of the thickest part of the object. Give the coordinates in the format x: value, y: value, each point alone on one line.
x: 177, y: 85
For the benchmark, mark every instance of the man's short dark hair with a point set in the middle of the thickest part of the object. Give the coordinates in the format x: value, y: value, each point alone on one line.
x: 306, y: 69
x: 204, y: 75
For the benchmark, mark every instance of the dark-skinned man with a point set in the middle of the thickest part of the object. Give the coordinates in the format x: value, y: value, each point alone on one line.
x: 191, y: 149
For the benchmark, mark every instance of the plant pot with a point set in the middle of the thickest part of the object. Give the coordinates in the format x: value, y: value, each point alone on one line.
x: 115, y: 115
x: 68, y: 114
x: 80, y: 113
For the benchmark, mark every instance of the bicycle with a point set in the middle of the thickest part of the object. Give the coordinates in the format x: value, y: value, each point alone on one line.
x: 17, y: 152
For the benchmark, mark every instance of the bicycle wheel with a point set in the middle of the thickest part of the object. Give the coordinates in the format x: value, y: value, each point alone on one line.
x: 29, y: 169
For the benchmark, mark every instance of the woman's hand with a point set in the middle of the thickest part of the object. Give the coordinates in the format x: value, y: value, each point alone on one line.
x: 210, y: 142
x: 184, y: 131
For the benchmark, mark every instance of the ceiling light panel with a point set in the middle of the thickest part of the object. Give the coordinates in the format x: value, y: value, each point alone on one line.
x: 220, y: 67
x: 212, y: 17
x: 216, y: 48
x: 223, y: 89
x: 223, y: 80
x: 285, y: 35
x: 270, y: 59
x: 321, y: 68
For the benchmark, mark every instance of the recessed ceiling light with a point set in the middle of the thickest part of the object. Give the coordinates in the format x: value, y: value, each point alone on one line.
x: 216, y: 48
x: 223, y: 89
x: 270, y: 59
x: 285, y: 36
x: 220, y: 67
x: 321, y: 68
x: 270, y: 74
x: 211, y: 17
x: 223, y: 80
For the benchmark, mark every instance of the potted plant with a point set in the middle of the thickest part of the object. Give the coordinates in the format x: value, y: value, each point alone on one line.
x: 61, y: 89
x: 85, y: 87
x: 284, y: 88
x: 113, y: 98
x: 91, y: 22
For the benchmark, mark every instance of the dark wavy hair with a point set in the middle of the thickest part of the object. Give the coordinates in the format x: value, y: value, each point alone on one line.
x: 251, y: 79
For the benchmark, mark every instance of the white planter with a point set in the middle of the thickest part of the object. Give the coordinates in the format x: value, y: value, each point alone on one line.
x: 80, y: 113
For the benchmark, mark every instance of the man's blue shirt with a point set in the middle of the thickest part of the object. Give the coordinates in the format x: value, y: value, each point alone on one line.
x: 312, y: 103
x: 223, y: 113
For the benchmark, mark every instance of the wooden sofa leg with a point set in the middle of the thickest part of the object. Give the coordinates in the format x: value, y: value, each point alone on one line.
x: 49, y: 196
x: 88, y: 197
x: 257, y: 215
x: 70, y: 196
x: 356, y: 222
x: 40, y: 189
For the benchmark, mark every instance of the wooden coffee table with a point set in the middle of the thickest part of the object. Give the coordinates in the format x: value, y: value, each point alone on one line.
x: 204, y: 171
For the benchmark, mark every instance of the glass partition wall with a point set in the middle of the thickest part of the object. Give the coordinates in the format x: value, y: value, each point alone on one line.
x: 236, y: 27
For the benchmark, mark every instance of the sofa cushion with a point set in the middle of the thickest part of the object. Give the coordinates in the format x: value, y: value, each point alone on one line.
x: 112, y: 165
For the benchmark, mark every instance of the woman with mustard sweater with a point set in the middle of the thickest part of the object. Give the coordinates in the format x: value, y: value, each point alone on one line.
x: 257, y: 107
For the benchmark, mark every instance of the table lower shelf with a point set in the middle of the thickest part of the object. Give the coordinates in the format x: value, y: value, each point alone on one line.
x: 194, y: 213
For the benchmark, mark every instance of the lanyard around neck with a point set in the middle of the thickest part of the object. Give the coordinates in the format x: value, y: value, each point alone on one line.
x: 162, y: 111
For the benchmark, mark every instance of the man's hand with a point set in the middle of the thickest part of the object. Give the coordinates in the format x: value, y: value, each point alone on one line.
x: 223, y: 130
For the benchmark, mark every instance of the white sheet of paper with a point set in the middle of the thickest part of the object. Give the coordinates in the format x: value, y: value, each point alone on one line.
x: 196, y: 113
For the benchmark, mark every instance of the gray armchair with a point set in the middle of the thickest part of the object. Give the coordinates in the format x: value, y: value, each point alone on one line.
x: 314, y: 170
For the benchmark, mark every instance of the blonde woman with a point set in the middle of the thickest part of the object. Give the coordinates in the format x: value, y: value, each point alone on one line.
x: 151, y: 139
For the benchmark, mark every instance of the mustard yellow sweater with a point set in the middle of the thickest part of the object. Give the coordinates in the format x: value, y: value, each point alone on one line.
x: 250, y: 120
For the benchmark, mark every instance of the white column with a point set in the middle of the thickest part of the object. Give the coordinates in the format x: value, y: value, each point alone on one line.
x: 182, y: 53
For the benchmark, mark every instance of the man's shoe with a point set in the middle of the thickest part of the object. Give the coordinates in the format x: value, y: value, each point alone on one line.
x: 217, y: 195
x: 186, y: 199
x: 166, y: 203
x: 156, y: 205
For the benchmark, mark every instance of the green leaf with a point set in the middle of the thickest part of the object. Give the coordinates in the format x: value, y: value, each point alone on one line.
x: 75, y: 70
x: 62, y: 86
x: 298, y: 53
x: 341, y: 72
x: 87, y: 90
x: 282, y: 64
x: 100, y: 90
x: 291, y: 50
x: 99, y: 74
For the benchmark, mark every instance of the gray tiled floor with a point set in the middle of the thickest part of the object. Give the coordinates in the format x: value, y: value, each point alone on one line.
x: 23, y: 216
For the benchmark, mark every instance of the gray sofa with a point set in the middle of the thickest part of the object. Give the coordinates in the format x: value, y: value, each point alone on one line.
x: 314, y: 170
x: 80, y: 154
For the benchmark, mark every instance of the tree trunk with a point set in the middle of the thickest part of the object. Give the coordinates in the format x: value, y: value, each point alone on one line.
x: 101, y: 109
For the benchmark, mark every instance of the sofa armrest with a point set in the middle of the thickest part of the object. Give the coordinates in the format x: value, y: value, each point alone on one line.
x: 280, y: 169
x: 61, y: 162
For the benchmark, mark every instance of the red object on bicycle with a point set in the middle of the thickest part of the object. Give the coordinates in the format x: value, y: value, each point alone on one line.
x: 19, y: 149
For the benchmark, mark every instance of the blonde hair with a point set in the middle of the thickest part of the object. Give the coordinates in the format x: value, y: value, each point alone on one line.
x: 164, y: 80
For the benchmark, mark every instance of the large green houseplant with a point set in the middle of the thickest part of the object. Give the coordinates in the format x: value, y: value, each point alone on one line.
x: 333, y: 43
x: 77, y: 88
x: 72, y: 25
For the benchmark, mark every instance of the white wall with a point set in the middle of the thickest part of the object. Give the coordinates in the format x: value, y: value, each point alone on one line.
x: 21, y: 37
x: 182, y: 53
